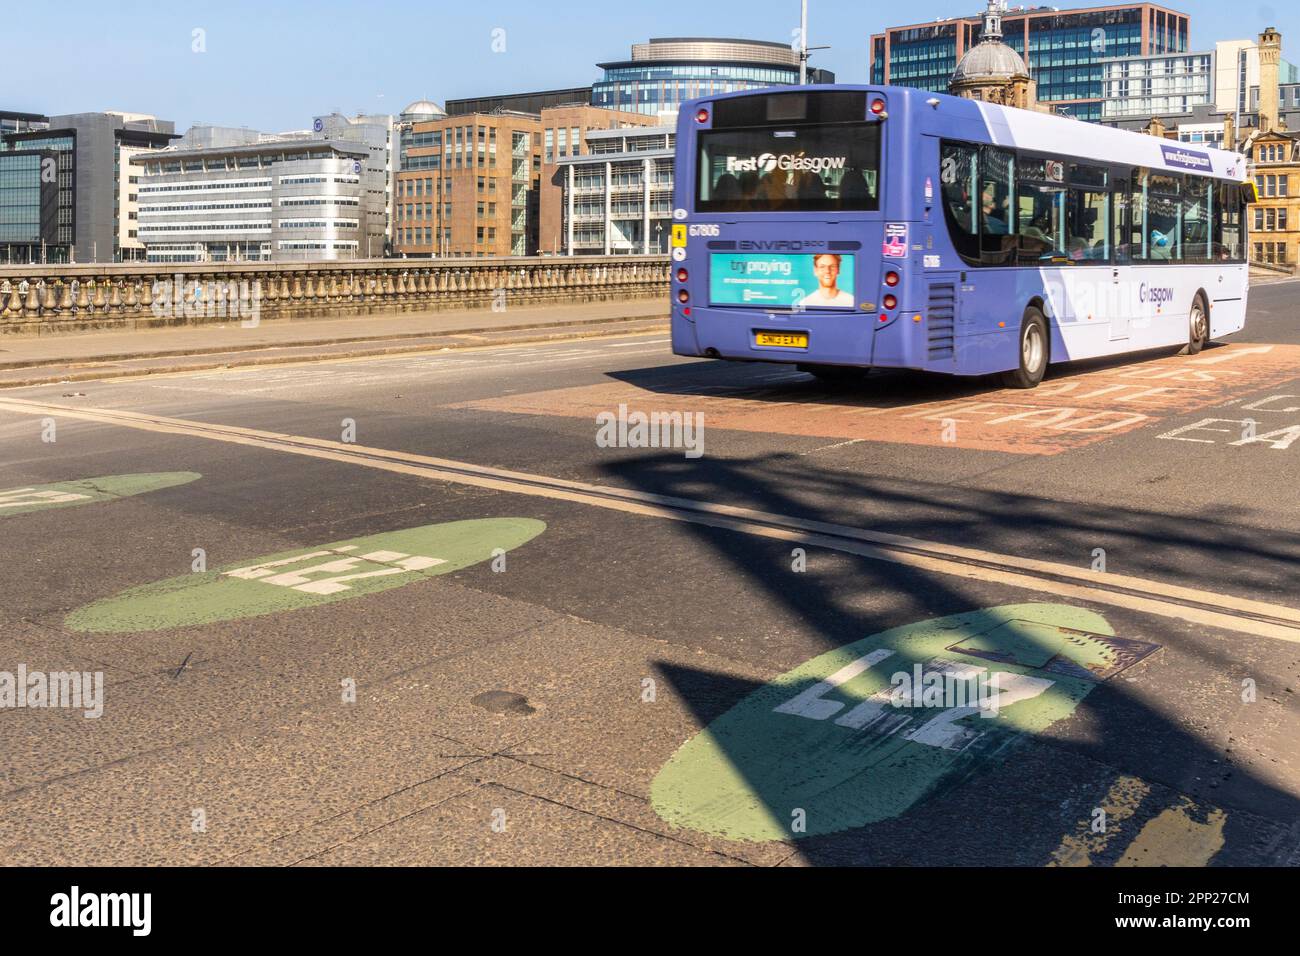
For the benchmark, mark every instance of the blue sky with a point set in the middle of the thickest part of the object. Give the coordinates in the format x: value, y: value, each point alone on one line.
x: 274, y: 65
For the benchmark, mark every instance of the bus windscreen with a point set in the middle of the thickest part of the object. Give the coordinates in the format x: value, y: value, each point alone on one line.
x: 798, y: 169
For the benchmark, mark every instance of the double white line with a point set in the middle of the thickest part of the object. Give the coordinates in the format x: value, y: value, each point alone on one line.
x: 1195, y: 606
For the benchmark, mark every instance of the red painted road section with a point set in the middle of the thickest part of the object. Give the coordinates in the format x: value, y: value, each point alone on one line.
x: 1071, y: 410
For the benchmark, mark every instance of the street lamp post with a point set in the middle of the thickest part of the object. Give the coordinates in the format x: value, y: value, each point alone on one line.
x: 804, y: 49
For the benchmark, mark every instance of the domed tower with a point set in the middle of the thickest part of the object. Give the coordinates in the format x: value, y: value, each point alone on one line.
x: 422, y: 111
x: 991, y: 70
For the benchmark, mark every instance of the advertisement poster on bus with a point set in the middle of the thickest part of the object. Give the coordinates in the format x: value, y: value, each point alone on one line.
x: 783, y: 281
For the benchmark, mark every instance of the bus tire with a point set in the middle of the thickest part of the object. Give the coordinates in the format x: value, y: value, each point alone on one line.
x: 1034, y: 351
x: 1198, y: 326
x: 837, y: 376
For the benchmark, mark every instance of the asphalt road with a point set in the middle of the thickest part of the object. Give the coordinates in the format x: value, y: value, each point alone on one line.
x: 633, y: 655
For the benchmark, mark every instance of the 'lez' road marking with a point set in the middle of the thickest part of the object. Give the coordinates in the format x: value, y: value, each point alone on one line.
x: 1208, y: 608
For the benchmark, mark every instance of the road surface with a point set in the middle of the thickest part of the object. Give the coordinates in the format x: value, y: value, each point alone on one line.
x: 415, y: 610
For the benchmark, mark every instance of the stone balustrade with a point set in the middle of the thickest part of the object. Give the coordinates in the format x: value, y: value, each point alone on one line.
x: 41, y: 299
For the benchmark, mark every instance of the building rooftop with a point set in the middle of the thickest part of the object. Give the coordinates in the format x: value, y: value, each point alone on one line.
x: 990, y: 58
x: 253, y: 149
x: 422, y: 109
x: 709, y: 50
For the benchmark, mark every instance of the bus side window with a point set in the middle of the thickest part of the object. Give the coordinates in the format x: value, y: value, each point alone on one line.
x: 1121, y: 228
x: 1197, y: 214
x: 1164, y: 218
x: 1229, y: 246
x: 958, y: 177
x: 1139, y: 238
x: 997, y: 196
x: 1087, y: 217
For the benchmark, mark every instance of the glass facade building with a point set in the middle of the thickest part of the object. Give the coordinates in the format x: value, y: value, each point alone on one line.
x: 1157, y: 85
x: 96, y: 188
x: 1063, y: 48
x: 664, y: 73
x: 28, y: 208
x: 11, y: 122
x: 60, y: 147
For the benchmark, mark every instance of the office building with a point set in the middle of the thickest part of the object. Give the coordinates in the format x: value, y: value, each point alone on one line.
x: 1141, y: 89
x: 664, y: 73
x: 29, y: 201
x: 11, y: 122
x: 379, y: 134
x: 96, y: 213
x: 1237, y: 76
x: 467, y: 185
x: 520, y: 102
x: 566, y: 134
x: 1163, y: 84
x: 617, y: 195
x: 284, y: 199
x: 1063, y: 49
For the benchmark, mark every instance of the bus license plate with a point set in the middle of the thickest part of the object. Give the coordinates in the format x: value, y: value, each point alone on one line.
x: 783, y: 340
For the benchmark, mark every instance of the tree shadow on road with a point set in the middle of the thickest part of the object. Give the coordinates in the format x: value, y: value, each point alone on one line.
x: 1020, y: 804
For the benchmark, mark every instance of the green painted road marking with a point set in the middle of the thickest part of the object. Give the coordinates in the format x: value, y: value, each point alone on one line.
x: 307, y: 577
x: 68, y: 494
x: 826, y: 738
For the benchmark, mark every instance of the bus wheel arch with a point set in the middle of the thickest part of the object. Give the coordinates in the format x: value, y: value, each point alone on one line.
x: 1033, y: 350
x: 1198, y: 324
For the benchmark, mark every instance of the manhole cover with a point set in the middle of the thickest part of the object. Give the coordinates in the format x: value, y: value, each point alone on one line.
x: 1057, y: 650
x: 504, y: 702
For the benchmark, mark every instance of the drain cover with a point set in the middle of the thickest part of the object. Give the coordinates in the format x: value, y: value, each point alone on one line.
x: 1056, y: 650
x: 504, y: 702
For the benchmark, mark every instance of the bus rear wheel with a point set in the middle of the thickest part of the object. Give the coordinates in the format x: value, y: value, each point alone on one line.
x: 1034, y: 352
x: 1198, y: 326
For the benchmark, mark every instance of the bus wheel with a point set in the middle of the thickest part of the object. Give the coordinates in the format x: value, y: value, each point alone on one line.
x: 1034, y: 352
x: 835, y: 375
x: 1198, y: 327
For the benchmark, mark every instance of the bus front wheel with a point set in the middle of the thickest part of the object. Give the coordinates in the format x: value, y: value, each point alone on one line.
x: 1198, y: 327
x: 1034, y: 352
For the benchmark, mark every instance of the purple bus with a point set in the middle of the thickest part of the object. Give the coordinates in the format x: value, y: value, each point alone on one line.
x: 842, y: 228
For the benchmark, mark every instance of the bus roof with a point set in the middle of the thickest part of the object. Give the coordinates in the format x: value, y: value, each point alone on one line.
x: 1047, y: 133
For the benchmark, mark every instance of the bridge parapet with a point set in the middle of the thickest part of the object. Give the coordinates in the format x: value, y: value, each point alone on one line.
x: 39, y: 299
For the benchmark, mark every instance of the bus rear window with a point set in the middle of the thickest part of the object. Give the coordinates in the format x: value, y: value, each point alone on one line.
x: 800, y: 169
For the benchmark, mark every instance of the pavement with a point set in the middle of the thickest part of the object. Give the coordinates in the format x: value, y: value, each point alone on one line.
x: 413, y: 610
x: 36, y: 360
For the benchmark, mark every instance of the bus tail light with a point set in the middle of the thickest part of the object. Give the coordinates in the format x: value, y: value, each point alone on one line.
x: 702, y: 116
x: 878, y: 107
x: 891, y: 302
x: 892, y: 279
x: 682, y: 275
x: 683, y: 297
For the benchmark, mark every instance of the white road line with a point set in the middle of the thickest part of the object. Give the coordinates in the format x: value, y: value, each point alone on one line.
x: 1208, y: 608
